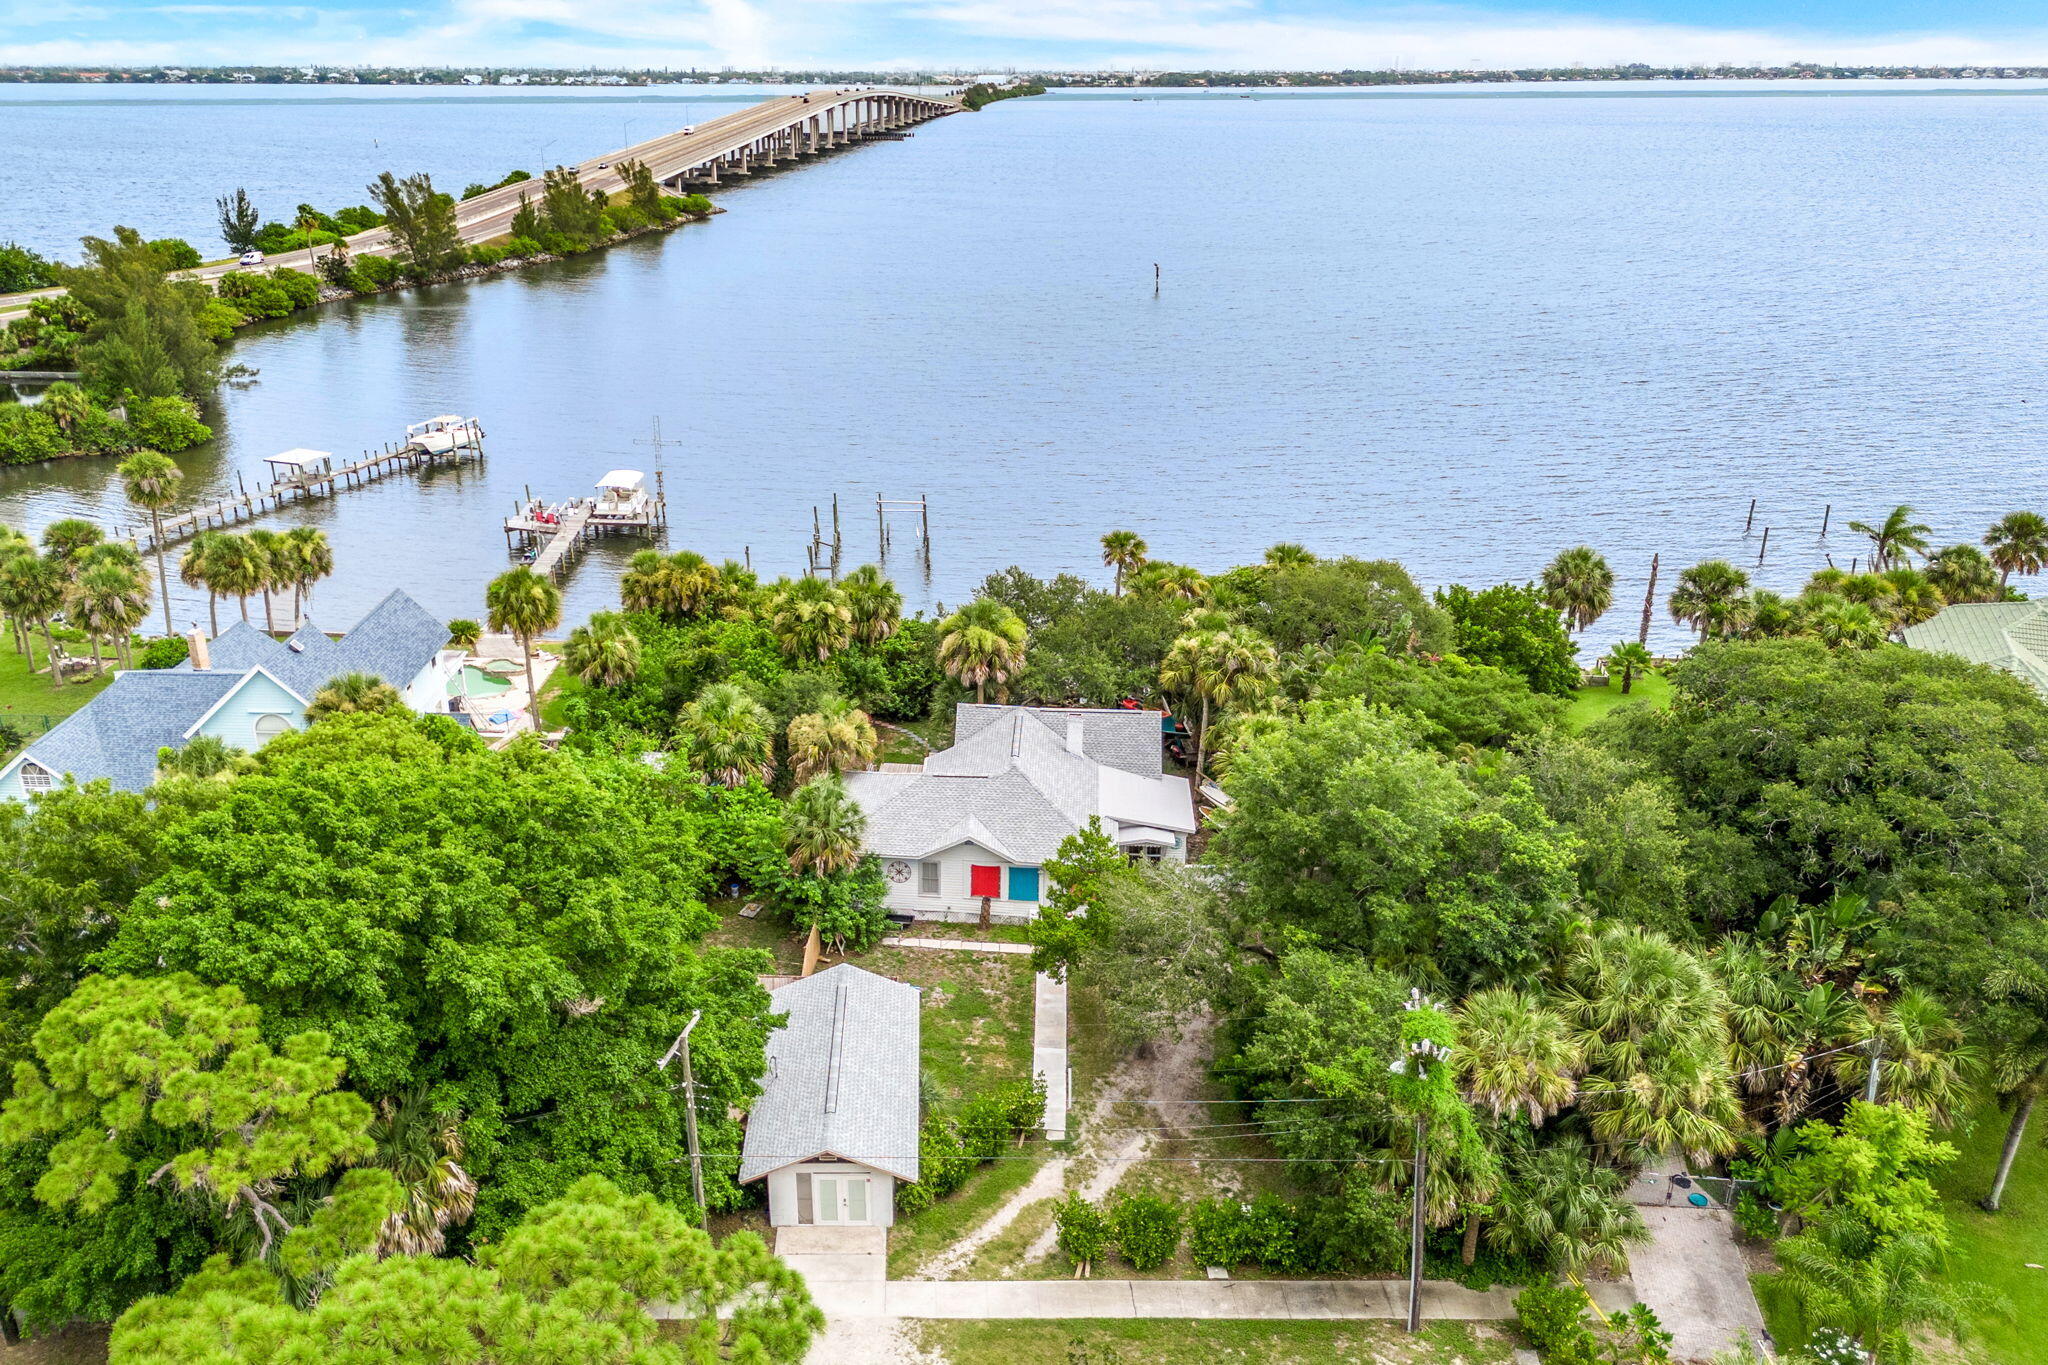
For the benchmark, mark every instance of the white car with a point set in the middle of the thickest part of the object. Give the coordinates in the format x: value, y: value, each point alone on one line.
x: 250, y: 257
x: 689, y: 127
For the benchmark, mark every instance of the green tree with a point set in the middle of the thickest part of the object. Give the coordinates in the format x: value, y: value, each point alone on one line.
x: 811, y: 618
x: 144, y: 335
x: 1069, y: 921
x: 32, y: 589
x: 1168, y: 940
x: 1328, y: 603
x: 1560, y: 1208
x: 1880, y: 1297
x: 1579, y: 585
x: 2019, y: 544
x: 1513, y: 628
x: 354, y: 694
x: 1516, y: 1055
x: 569, y: 208
x: 982, y: 643
x: 1123, y: 551
x: 526, y: 606
x: 1454, y: 703
x: 605, y: 652
x: 152, y: 482
x: 1628, y: 658
x: 1894, y: 539
x: 1962, y: 573
x: 1228, y: 669
x: 239, y: 220
x: 875, y: 604
x: 833, y: 739
x: 1711, y: 597
x: 643, y: 193
x: 123, y: 1057
x: 464, y: 632
x: 825, y: 826
x: 307, y: 558
x: 1876, y: 1171
x: 731, y: 736
x: 421, y: 221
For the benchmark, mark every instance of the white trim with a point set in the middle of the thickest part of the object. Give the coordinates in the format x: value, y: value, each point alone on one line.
x: 229, y: 696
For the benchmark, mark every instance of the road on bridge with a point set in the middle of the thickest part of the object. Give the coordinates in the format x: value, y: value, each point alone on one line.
x: 671, y: 155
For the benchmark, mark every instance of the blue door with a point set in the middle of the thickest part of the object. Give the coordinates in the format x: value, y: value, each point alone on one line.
x: 1024, y: 884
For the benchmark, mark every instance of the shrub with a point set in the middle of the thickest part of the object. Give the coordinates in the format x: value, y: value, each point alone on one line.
x: 1080, y: 1229
x: 1024, y: 1104
x: 626, y: 218
x: 1553, y: 1317
x: 176, y: 253
x: 337, y: 269
x: 167, y: 424
x: 166, y: 652
x: 22, y: 269
x: 1146, y: 1230
x: 524, y: 246
x: 218, y: 319
x: 488, y: 255
x: 258, y: 296
x: 984, y: 1127
x: 301, y: 289
x: 27, y: 435
x: 1754, y: 1219
x: 943, y: 1166
x: 1263, y: 1232
x: 375, y: 272
x: 692, y: 203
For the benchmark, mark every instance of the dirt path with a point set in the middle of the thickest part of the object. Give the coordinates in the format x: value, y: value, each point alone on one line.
x: 869, y: 1341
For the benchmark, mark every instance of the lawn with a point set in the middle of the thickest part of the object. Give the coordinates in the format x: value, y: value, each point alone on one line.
x: 1595, y: 702
x: 28, y: 700
x: 1993, y: 1248
x: 976, y: 1018
x: 1160, y: 1341
x: 900, y: 738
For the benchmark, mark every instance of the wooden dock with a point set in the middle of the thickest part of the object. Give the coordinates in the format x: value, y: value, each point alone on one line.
x: 565, y: 535
x: 544, y: 535
x: 249, y: 503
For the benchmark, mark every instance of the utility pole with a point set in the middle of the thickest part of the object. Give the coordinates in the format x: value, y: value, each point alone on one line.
x: 682, y: 1046
x: 1422, y: 1052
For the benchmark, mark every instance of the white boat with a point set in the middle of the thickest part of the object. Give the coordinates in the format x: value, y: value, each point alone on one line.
x: 439, y: 435
x: 622, y: 499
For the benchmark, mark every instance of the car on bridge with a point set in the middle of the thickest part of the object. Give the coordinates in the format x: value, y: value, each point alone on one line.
x: 250, y: 257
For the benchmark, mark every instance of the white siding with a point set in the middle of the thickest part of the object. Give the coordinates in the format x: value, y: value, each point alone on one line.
x: 428, y: 693
x: 782, y: 1191
x: 955, y: 900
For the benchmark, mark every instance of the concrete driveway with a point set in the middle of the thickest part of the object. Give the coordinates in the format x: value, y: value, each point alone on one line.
x: 1692, y: 1274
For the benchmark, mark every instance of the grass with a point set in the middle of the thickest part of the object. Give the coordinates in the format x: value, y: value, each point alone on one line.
x: 771, y: 932
x: 1595, y: 702
x: 919, y: 1237
x: 555, y: 693
x: 976, y: 1019
x: 1993, y: 1249
x: 898, y: 747
x: 1161, y: 1341
x: 28, y: 699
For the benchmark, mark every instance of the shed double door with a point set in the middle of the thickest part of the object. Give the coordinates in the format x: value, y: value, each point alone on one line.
x: 840, y: 1199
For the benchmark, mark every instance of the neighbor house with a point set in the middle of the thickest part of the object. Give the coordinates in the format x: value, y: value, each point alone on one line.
x: 244, y: 687
x: 2012, y: 636
x: 836, y: 1124
x: 979, y: 820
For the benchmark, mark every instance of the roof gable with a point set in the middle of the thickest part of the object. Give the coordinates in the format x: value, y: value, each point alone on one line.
x: 117, y: 734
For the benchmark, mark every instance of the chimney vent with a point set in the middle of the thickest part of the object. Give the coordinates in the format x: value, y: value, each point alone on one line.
x: 195, y: 639
x: 1074, y: 724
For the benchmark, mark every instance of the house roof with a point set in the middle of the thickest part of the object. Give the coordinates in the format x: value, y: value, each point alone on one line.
x: 116, y: 735
x: 2009, y: 635
x: 842, y: 1076
x: 1021, y: 779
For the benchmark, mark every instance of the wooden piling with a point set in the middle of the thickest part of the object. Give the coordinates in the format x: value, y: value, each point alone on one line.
x: 1649, y: 604
x: 1826, y: 512
x: 1748, y: 520
x: 1763, y: 547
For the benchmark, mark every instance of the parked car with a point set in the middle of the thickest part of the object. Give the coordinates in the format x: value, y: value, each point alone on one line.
x: 250, y: 257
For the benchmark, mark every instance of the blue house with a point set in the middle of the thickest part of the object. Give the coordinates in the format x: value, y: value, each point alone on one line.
x: 244, y: 687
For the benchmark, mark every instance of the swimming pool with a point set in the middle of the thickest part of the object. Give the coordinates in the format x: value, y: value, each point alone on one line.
x: 474, y: 682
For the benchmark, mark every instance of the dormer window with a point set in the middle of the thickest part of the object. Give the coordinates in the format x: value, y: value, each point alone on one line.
x: 36, y: 779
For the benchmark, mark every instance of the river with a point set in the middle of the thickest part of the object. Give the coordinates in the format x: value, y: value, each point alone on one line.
x: 1459, y: 327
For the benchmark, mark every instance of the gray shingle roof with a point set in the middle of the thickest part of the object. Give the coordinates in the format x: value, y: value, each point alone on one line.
x: 1012, y: 785
x: 116, y: 735
x: 394, y: 642
x: 842, y: 1076
x: 2012, y: 636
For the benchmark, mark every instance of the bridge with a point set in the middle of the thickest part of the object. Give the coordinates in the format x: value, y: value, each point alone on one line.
x: 735, y: 145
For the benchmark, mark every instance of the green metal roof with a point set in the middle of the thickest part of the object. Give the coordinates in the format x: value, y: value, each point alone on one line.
x: 2008, y: 635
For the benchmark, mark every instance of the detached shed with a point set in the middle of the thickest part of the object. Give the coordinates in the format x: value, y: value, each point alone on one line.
x: 836, y: 1124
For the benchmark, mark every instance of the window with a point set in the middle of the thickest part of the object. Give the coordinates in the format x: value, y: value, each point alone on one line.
x: 928, y: 879
x: 984, y: 881
x: 35, y: 779
x: 269, y: 727
x: 1144, y: 853
x: 1024, y: 884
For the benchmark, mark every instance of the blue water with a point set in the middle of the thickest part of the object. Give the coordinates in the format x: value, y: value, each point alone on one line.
x: 1458, y: 328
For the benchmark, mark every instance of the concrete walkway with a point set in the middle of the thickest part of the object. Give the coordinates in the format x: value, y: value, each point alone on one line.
x: 957, y: 945
x: 1049, y: 1051
x: 1692, y: 1274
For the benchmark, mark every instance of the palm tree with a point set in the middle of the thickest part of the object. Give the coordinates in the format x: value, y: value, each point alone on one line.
x: 65, y: 537
x: 1579, y: 585
x: 275, y: 555
x: 463, y: 633
x: 2019, y: 544
x: 1515, y: 1055
x: 1893, y: 538
x: 1287, y: 555
x: 982, y: 643
x: 836, y: 737
x: 308, y: 559
x: 1170, y: 582
x: 1913, y: 597
x: 14, y: 545
x: 693, y: 583
x: 107, y: 602
x: 1769, y: 615
x: 206, y: 757
x: 1560, y: 1209
x: 525, y: 605
x: 65, y: 404
x: 876, y: 605
x: 730, y: 735
x: 1629, y: 658
x: 152, y: 482
x: 1962, y: 573
x: 1708, y: 595
x: 355, y: 694
x: 2019, y: 1074
x: 33, y: 588
x: 605, y: 653
x: 1826, y: 581
x: 1880, y: 1294
x: 1218, y: 668
x: 1925, y: 1061
x: 1853, y: 625
x: 235, y: 567
x: 811, y: 619
x: 1123, y: 551
x: 195, y: 572
x: 645, y: 585
x: 825, y: 827
x: 423, y: 1149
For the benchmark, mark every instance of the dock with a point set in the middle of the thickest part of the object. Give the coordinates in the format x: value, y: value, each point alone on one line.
x: 544, y: 534
x: 304, y: 477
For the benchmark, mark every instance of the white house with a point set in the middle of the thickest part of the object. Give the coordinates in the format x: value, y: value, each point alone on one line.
x: 244, y: 687
x: 836, y: 1124
x: 979, y: 820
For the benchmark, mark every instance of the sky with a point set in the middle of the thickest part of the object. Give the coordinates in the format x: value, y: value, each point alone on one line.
x: 994, y: 34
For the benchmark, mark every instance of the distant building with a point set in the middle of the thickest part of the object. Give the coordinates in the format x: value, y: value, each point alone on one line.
x: 836, y: 1125
x: 245, y: 688
x: 2012, y: 636
x: 978, y: 821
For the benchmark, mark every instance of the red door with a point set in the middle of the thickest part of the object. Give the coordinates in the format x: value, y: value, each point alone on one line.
x: 984, y: 881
